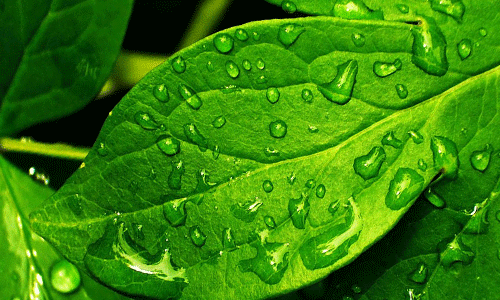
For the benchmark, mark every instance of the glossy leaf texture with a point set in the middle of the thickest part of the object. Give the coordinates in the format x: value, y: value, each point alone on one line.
x: 28, y: 263
x: 55, y: 56
x: 266, y: 156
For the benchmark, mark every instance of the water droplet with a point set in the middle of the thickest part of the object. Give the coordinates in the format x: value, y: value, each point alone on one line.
x: 247, y: 65
x: 102, y: 150
x: 419, y: 275
x: 320, y: 191
x: 312, y: 129
x: 261, y: 79
x: 429, y: 48
x: 434, y: 198
x: 161, y: 93
x: 356, y: 289
x: 175, y: 176
x: 358, y: 39
x: 483, y: 32
x: 401, y: 91
x: 179, y: 64
x: 247, y: 211
x: 445, y: 156
x: 188, y: 94
x: 64, y: 277
x: 384, y: 69
x: 416, y: 136
x: 269, y: 151
x: 292, y: 178
x: 210, y: 66
x: 464, y: 48
x: 298, y: 210
x: 241, y: 34
x: 390, y: 140
x: 228, y: 242
x: 232, y: 69
x: 403, y: 8
x: 255, y: 36
x: 456, y: 252
x: 197, y: 236
x: 219, y: 121
x: 223, y: 42
x: 422, y: 165
x: 355, y: 10
x: 368, y: 166
x: 310, y: 183
x: 339, y: 90
x: 169, y: 145
x: 452, y: 8
x: 480, y: 159
x: 261, y: 64
x: 39, y: 176
x: 269, y: 221
x: 289, y: 33
x: 216, y: 152
x: 269, y: 264
x: 405, y: 187
x: 175, y: 212
x: 193, y: 134
x: 277, y: 129
x: 145, y: 121
x: 273, y: 95
x: 307, y: 95
x: 288, y: 6
x: 267, y: 185
x: 478, y: 223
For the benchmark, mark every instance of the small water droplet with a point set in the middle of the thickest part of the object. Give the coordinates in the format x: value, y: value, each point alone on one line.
x: 216, y: 152
x: 261, y: 64
x: 223, y: 42
x: 401, y: 91
x: 356, y: 289
x: 384, y: 69
x: 269, y: 221
x: 464, y: 48
x: 406, y: 185
x: 452, y: 8
x: 175, y: 212
x: 188, y: 94
x: 160, y: 92
x: 310, y: 183
x: 241, y: 34
x: 269, y: 151
x: 339, y: 90
x: 64, y: 277
x: 429, y: 48
x: 368, y: 166
x: 390, y: 140
x: 419, y: 275
x: 292, y: 178
x: 247, y: 211
x: 358, y: 39
x: 277, y: 129
x: 298, y: 210
x: 197, y: 236
x: 273, y: 95
x: 312, y: 129
x: 355, y: 10
x: 193, y: 134
x: 169, y: 145
x: 483, y: 32
x: 175, y: 176
x: 480, y: 159
x: 456, y: 252
x: 403, y: 8
x: 416, y: 137
x: 102, y: 150
x: 478, y: 223
x: 39, y: 175
x: 255, y: 36
x: 445, y: 156
x: 269, y: 264
x: 320, y: 191
x: 179, y: 64
x: 267, y: 185
x: 219, y: 121
x: 422, y: 165
x: 232, y: 69
x: 210, y: 66
x: 289, y: 33
x: 307, y: 95
x: 228, y: 242
x: 288, y: 6
x: 145, y: 121
x: 261, y: 79
x: 434, y: 198
x: 247, y: 65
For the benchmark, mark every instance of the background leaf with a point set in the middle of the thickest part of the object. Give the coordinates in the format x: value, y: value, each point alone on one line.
x: 55, y: 56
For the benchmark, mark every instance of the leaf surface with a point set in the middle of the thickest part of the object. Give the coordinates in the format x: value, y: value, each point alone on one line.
x: 55, y: 56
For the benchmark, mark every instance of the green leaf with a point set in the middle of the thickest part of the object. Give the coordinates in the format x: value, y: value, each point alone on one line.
x: 55, y: 56
x: 27, y: 260
x: 170, y: 205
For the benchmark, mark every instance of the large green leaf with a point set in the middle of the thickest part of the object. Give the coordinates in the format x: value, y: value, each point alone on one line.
x: 55, y: 56
x: 264, y: 157
x: 27, y: 260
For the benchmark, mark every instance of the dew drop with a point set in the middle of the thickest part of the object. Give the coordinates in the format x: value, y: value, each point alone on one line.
x: 277, y: 129
x: 307, y: 95
x: 292, y: 178
x: 356, y: 289
x: 383, y: 69
x: 216, y: 152
x: 310, y: 183
x: 320, y: 191
x: 241, y: 34
x: 368, y: 166
x: 179, y: 64
x: 269, y: 264
x: 169, y: 145
x: 261, y: 64
x: 339, y: 90
x: 247, y: 211
x: 434, y: 198
x: 193, y: 134
x: 64, y: 277
x: 269, y: 221
x: 478, y: 223
x: 355, y: 10
x: 464, y: 48
x: 232, y: 69
x: 401, y: 90
x: 102, y: 150
x: 422, y: 166
x: 228, y: 242
x: 390, y: 140
x: 145, y: 121
x: 273, y: 95
x: 197, y: 236
x: 483, y: 32
x: 219, y: 121
x: 223, y: 42
x: 298, y: 210
x: 255, y: 36
x: 267, y: 186
x: 175, y: 212
x: 406, y: 185
x: 247, y: 65
x: 416, y: 137
x: 419, y: 275
x: 160, y: 92
x: 288, y: 6
x: 445, y: 156
x: 289, y: 33
x: 452, y: 8
x: 269, y: 151
x: 188, y: 94
x: 312, y: 129
x: 480, y: 159
x: 429, y: 48
x: 358, y: 39
x: 261, y: 79
x: 456, y: 252
x: 403, y: 8
x: 175, y: 176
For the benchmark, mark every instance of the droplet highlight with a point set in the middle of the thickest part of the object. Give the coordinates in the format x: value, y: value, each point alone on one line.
x: 339, y: 90
x: 416, y: 137
x: 368, y: 166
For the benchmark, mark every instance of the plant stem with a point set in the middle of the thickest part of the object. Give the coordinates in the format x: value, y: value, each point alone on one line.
x: 54, y: 150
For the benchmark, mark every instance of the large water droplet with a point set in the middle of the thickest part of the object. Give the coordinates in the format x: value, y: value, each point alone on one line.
x: 368, y: 166
x: 405, y: 187
x: 452, y: 8
x: 175, y: 176
x: 429, y: 48
x: 273, y: 95
x: 464, y: 48
x: 289, y: 33
x: 384, y: 69
x: 358, y: 39
x: 456, y: 252
x: 269, y: 221
x: 179, y: 64
x: 298, y: 210
x: 401, y: 90
x: 64, y: 277
x: 188, y: 94
x: 145, y: 121
x: 419, y: 275
x: 219, y: 121
x: 390, y: 139
x: 403, y: 8
x: 193, y: 134
x: 175, y: 212
x: 228, y: 242
x: 445, y: 155
x: 161, y: 93
x: 288, y: 6
x: 277, y: 129
x: 247, y: 211
x: 232, y: 69
x: 480, y: 159
x: 247, y: 65
x: 320, y: 191
x: 269, y: 264
x: 241, y: 34
x: 339, y: 90
x: 223, y: 42
x: 416, y: 137
x: 307, y: 95
x: 434, y: 198
x: 197, y: 236
x: 355, y: 10
x: 267, y: 186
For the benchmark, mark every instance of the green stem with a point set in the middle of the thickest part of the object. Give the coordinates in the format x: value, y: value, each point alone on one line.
x: 54, y: 150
